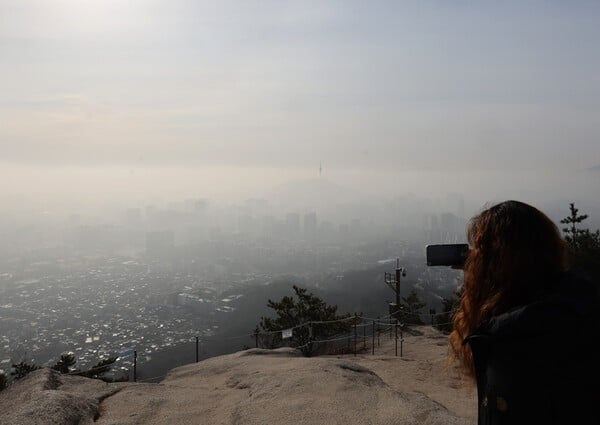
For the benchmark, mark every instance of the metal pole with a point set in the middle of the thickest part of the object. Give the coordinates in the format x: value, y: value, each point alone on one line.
x: 256, y: 338
x: 396, y: 329
x: 134, y: 365
x: 373, y: 342
x: 196, y: 349
x: 364, y: 337
x: 355, y: 320
x: 397, y: 284
x: 310, y: 336
x: 378, y: 331
x: 401, y: 341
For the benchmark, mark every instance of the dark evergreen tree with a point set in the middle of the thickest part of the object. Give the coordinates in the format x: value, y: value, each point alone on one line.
x: 410, y: 309
x: 306, y: 308
x: 66, y: 363
x: 3, y: 382
x: 572, y: 221
x: 99, y: 370
x: 583, y: 245
x: 443, y: 321
x: 22, y: 369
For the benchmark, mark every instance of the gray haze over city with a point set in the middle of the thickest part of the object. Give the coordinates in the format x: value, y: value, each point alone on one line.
x: 166, y: 167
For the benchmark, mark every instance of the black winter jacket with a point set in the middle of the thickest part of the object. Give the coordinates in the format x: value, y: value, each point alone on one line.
x: 540, y: 363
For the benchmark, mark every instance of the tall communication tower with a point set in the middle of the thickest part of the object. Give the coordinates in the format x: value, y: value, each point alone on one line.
x: 394, y: 283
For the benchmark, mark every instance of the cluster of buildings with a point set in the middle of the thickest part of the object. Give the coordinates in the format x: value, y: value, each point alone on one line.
x: 101, y: 307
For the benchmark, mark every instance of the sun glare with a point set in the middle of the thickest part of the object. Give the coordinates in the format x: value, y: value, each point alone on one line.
x: 93, y: 17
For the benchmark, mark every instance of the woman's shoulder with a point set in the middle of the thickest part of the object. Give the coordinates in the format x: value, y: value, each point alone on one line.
x: 573, y: 302
x: 575, y: 285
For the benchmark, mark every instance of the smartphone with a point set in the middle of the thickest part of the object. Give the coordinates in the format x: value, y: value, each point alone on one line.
x: 447, y: 254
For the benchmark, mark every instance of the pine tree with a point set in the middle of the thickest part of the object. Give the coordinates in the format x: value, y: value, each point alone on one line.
x: 66, y: 363
x: 583, y: 245
x: 3, y: 382
x: 572, y: 232
x: 22, y: 369
x: 99, y: 369
x: 410, y: 309
x: 443, y: 321
x: 292, y: 313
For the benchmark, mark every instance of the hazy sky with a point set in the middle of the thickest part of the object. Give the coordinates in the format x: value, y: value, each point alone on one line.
x: 448, y: 86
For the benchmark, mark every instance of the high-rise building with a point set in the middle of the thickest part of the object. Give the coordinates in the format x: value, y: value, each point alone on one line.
x: 310, y: 225
x: 292, y: 225
x: 159, y: 244
x: 133, y: 216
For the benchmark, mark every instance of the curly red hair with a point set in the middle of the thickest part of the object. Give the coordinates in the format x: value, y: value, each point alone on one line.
x: 517, y: 255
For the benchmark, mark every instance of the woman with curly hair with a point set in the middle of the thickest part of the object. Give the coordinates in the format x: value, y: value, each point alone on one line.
x: 527, y: 330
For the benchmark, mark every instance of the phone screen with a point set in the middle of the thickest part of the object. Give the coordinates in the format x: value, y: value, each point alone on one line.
x: 447, y: 254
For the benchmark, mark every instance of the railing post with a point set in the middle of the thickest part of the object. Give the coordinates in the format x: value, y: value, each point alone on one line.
x: 396, y: 330
x: 310, y: 337
x: 134, y: 365
x: 401, y: 341
x: 378, y: 331
x: 196, y: 349
x: 355, y: 320
x: 373, y: 340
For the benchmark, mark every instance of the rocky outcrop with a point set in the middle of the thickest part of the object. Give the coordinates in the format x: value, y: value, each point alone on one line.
x: 48, y: 397
x: 258, y: 387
